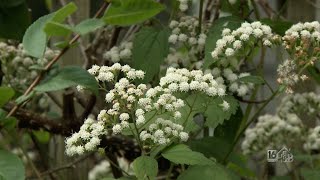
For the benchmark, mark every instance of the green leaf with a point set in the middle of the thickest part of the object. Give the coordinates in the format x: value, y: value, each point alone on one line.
x: 67, y: 77
x: 228, y: 130
x: 207, y: 172
x: 42, y: 136
x: 57, y: 29
x: 14, y: 20
x: 310, y: 174
x: 196, y: 104
x: 11, y: 167
x: 182, y: 154
x: 6, y: 93
x: 150, y: 48
x: 278, y: 26
x: 24, y: 98
x: 214, y: 113
x: 61, y: 14
x: 89, y: 25
x: 145, y: 167
x: 258, y: 80
x: 8, y: 123
x: 35, y: 39
x: 128, y: 12
x: 10, y: 3
x: 205, y: 145
x: 231, y: 22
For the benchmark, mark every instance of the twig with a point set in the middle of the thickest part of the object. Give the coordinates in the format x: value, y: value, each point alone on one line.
x: 52, y: 62
x: 66, y: 166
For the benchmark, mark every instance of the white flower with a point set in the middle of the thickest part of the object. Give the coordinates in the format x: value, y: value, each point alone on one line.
x: 124, y: 116
x: 229, y: 52
x: 184, y: 136
x: 183, y: 37
x: 173, y: 38
x: 117, y: 129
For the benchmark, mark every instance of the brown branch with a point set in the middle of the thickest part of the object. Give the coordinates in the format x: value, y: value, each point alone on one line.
x: 90, y: 105
x: 52, y: 62
x: 66, y: 166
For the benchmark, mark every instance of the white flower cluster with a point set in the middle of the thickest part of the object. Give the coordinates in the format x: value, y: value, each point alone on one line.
x: 241, y: 40
x: 270, y: 132
x: 116, y: 54
x: 302, y: 42
x: 300, y: 38
x: 231, y: 79
x: 305, y: 104
x: 183, y: 6
x: 287, y: 74
x: 87, y: 139
x: 313, y: 139
x: 130, y: 103
x: 184, y: 32
x: 20, y: 69
x: 183, y: 80
x: 163, y: 132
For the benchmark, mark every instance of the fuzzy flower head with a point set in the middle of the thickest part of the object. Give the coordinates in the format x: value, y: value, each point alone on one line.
x: 163, y: 132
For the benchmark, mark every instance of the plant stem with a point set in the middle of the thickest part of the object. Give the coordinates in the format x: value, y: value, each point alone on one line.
x: 200, y: 16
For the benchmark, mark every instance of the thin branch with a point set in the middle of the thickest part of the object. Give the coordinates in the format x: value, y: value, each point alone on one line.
x: 66, y: 166
x: 52, y: 62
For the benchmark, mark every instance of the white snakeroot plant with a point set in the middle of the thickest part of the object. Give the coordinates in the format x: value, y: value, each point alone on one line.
x: 131, y: 105
x: 117, y: 54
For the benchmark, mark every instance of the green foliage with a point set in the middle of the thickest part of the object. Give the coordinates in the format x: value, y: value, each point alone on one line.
x: 210, y: 107
x: 35, y: 38
x: 67, y: 77
x: 88, y: 25
x: 61, y: 14
x: 8, y: 123
x: 182, y: 154
x: 145, y: 167
x: 127, y: 12
x: 214, y: 113
x: 6, y: 93
x: 150, y: 48
x: 231, y: 22
x: 57, y: 29
x: 310, y: 174
x: 205, y: 145
x: 228, y: 130
x: 207, y: 172
x: 11, y: 167
x: 42, y: 136
x: 258, y: 80
x: 14, y: 19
